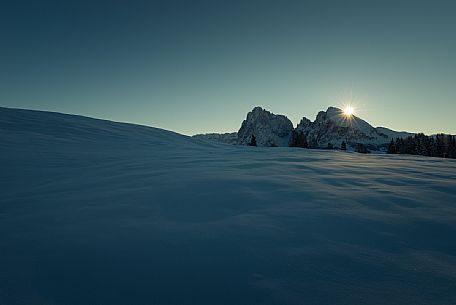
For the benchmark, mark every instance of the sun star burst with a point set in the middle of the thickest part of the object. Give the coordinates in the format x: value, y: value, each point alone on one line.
x: 349, y: 110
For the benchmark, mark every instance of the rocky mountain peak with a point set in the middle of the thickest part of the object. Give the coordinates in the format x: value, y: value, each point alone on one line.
x: 330, y: 129
x: 268, y: 129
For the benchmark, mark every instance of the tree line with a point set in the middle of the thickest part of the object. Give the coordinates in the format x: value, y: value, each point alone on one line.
x: 440, y: 145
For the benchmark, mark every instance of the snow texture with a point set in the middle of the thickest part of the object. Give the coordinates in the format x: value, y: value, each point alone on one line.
x: 98, y: 212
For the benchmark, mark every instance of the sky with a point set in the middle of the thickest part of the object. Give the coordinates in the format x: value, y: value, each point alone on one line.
x: 200, y: 66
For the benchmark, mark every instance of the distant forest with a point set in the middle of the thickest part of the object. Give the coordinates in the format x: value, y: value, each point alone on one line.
x: 440, y: 145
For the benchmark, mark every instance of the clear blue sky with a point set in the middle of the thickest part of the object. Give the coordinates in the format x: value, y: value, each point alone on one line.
x: 200, y: 66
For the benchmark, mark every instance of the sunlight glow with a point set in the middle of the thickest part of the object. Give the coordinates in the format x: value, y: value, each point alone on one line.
x: 349, y: 110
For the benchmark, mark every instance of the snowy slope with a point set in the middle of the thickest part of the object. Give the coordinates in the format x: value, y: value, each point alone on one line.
x: 39, y: 127
x: 97, y: 212
x: 392, y: 134
x: 227, y: 138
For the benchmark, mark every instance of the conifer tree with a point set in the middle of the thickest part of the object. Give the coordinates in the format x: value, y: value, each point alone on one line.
x: 392, y: 147
x: 361, y: 148
x: 440, y: 145
x: 302, y: 140
x: 343, y: 146
x: 253, y: 141
x: 299, y: 139
x: 452, y: 147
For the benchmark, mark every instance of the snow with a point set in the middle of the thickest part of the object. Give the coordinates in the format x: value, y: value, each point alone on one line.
x: 98, y: 212
x: 333, y: 127
x: 227, y: 138
x: 392, y: 134
x: 330, y: 127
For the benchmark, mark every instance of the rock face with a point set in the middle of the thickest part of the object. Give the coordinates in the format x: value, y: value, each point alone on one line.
x: 329, y: 130
x: 332, y: 127
x: 266, y: 128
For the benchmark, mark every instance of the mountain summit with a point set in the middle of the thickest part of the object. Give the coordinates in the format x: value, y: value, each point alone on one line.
x: 332, y: 127
x: 265, y: 128
x: 329, y: 129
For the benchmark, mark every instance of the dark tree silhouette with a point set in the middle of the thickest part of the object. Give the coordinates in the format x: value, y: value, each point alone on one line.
x: 392, y: 147
x: 361, y: 148
x: 253, y: 141
x: 343, y: 146
x: 440, y: 145
x: 299, y: 139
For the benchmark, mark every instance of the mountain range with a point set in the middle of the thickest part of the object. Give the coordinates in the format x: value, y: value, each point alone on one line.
x: 329, y: 129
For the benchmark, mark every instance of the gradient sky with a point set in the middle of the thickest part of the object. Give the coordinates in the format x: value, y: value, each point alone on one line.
x: 200, y: 66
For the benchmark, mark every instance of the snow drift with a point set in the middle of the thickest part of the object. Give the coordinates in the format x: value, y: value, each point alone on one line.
x: 98, y: 212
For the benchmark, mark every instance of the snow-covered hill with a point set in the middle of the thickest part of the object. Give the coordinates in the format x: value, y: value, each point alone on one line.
x: 20, y: 126
x: 98, y: 212
x: 226, y: 138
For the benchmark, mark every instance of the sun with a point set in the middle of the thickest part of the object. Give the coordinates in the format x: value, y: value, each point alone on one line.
x: 349, y: 110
